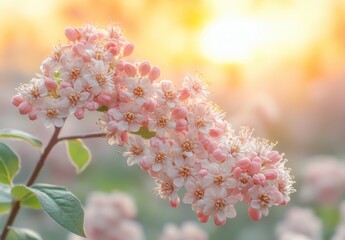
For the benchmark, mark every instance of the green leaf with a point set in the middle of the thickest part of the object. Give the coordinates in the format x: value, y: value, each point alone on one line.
x: 22, y: 234
x: 14, y: 133
x: 145, y: 133
x: 62, y: 206
x: 102, y: 108
x: 26, y: 197
x: 5, y: 198
x: 79, y: 154
x: 9, y: 164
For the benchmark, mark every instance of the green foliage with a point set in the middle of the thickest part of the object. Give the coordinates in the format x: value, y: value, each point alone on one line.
x: 5, y: 198
x: 17, y: 134
x: 145, y: 133
x: 79, y: 154
x: 9, y: 164
x: 22, y: 234
x: 102, y: 109
x: 26, y: 197
x: 62, y: 206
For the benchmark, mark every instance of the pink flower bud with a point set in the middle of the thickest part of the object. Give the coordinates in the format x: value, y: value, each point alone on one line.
x: 215, y: 132
x: 254, y: 214
x: 219, y: 155
x: 103, y: 99
x: 154, y: 74
x: 72, y: 34
x: 259, y: 178
x: 130, y: 70
x: 121, y: 65
x: 270, y: 174
x: 144, y: 68
x: 32, y: 115
x: 179, y: 112
x: 237, y: 172
x: 184, y: 94
x: 79, y: 49
x: 17, y: 100
x: 128, y: 49
x: 203, y: 172
x: 255, y: 166
x: 243, y: 163
x: 123, y: 138
x: 174, y: 203
x: 92, y: 106
x: 181, y: 125
x: 219, y: 222
x: 79, y: 114
x: 24, y: 107
x: 274, y: 156
x: 202, y: 218
x: 50, y: 84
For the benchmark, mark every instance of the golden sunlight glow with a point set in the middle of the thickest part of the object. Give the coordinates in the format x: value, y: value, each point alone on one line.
x: 232, y: 39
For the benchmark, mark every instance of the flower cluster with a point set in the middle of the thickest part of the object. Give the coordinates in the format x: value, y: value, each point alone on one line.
x: 300, y: 223
x: 188, y: 231
x: 84, y: 74
x: 175, y: 134
x: 110, y: 216
x: 323, y: 180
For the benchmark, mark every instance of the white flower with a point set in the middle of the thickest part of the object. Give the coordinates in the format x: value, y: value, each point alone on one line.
x: 53, y: 112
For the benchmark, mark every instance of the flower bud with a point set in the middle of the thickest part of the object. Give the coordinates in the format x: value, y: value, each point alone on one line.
x: 79, y: 113
x: 154, y: 74
x: 17, y: 100
x: 24, y: 107
x: 50, y: 84
x: 72, y: 34
x: 128, y: 49
x: 130, y: 70
x: 254, y: 214
x: 144, y: 68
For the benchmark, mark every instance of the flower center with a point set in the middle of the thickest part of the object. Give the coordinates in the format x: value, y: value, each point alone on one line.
x: 100, y: 78
x: 35, y: 92
x: 264, y: 199
x: 169, y: 95
x: 52, y: 113
x: 200, y: 122
x: 162, y: 122
x: 160, y: 158
x: 74, y: 99
x: 219, y: 179
x: 185, y: 172
x: 220, y: 204
x: 98, y: 55
x: 136, y: 150
x: 138, y: 91
x: 129, y: 116
x: 75, y: 73
x: 187, y: 146
x: 199, y: 194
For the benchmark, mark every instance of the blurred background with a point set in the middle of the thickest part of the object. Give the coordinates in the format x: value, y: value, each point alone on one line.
x: 275, y: 65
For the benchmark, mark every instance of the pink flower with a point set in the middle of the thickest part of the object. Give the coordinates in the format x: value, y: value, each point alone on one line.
x: 217, y: 203
x: 128, y: 117
x: 264, y: 197
x: 53, y: 113
x: 140, y: 89
x: 136, y: 150
x: 100, y: 78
